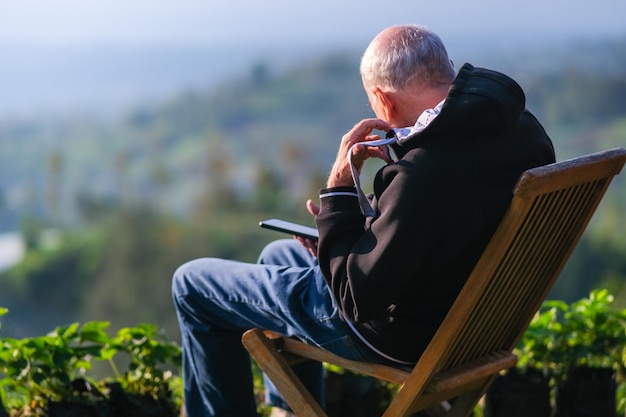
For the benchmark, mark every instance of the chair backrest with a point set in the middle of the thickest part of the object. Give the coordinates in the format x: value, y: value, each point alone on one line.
x: 549, y: 211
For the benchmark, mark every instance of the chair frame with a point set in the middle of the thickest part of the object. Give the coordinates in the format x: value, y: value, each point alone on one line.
x: 550, y: 209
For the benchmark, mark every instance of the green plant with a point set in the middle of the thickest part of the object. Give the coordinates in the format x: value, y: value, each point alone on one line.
x: 596, y: 333
x: 147, y: 353
x: 585, y: 333
x: 588, y: 332
x: 38, y: 371
x: 540, y: 346
x: 42, y: 368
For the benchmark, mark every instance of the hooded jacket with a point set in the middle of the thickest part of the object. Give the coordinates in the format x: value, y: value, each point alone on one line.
x: 394, y: 276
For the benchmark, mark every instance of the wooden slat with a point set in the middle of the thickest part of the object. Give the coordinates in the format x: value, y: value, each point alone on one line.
x: 568, y: 173
x: 472, y: 371
x: 385, y: 373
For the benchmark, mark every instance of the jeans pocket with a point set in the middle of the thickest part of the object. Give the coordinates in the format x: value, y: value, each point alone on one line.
x: 344, y: 347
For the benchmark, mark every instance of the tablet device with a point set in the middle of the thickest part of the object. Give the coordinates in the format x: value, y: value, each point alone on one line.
x: 293, y: 229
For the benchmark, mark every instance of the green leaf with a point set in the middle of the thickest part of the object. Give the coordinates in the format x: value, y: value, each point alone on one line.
x: 95, y: 332
x: 108, y: 352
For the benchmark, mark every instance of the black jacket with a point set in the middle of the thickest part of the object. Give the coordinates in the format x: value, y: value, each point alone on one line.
x: 394, y: 276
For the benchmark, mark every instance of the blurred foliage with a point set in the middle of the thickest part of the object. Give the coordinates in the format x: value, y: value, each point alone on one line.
x: 587, y: 333
x: 110, y: 208
x: 54, y: 371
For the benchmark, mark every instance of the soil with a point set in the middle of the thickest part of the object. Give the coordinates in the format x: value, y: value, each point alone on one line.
x: 111, y: 402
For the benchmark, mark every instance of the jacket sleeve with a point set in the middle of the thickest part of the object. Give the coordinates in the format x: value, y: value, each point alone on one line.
x: 367, y: 263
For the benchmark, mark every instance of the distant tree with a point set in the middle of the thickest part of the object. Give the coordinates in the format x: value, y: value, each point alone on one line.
x: 217, y: 187
x: 122, y: 177
x: 593, y: 264
x: 132, y: 283
x: 55, y: 169
x: 297, y: 171
x: 268, y: 188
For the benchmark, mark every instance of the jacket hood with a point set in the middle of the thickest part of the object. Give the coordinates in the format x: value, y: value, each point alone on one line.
x: 478, y: 99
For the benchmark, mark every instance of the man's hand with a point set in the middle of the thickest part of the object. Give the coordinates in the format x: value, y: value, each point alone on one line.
x: 310, y: 244
x: 340, y: 174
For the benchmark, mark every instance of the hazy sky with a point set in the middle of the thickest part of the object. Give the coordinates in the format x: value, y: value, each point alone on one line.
x: 344, y: 21
x: 35, y: 74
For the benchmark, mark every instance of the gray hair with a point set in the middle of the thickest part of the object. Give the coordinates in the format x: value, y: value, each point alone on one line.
x: 403, y: 55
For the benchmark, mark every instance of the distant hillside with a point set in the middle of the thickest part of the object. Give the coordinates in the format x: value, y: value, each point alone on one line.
x: 288, y: 119
x: 137, y: 195
x: 98, y: 80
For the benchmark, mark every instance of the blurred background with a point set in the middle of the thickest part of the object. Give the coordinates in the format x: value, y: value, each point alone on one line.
x: 135, y: 136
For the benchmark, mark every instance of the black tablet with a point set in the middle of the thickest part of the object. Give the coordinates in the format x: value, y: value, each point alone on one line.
x: 293, y: 229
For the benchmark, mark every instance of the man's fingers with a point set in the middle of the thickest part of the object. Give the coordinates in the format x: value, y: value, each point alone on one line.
x: 361, y: 130
x: 313, y: 208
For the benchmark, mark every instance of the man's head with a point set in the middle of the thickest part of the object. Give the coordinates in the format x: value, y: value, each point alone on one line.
x: 403, y: 55
x: 409, y: 65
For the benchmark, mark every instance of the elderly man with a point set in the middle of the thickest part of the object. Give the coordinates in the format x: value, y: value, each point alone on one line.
x: 387, y: 267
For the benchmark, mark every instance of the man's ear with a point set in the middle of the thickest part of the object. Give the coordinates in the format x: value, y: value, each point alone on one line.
x: 386, y: 103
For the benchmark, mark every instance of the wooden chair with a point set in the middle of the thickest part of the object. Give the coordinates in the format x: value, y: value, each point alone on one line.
x: 550, y: 209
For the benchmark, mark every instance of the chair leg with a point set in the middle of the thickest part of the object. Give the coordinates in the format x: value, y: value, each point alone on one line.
x: 278, y: 370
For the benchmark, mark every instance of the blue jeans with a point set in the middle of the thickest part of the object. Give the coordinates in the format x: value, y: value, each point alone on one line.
x: 217, y: 300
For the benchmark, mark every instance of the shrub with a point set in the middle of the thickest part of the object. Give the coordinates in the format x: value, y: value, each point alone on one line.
x: 39, y: 374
